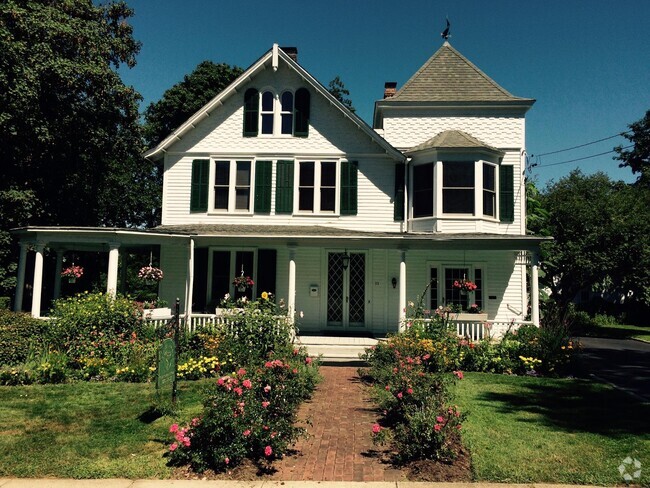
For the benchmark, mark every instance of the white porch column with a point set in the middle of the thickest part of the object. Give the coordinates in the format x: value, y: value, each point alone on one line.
x: 113, y: 260
x: 291, y: 294
x: 189, y: 289
x: 20, y: 279
x: 534, y: 289
x: 402, y: 290
x: 57, y: 273
x: 38, y: 280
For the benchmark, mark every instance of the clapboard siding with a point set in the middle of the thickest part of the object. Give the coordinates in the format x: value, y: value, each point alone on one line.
x: 375, y: 199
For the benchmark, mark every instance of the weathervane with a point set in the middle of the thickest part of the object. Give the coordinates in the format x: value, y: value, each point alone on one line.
x: 445, y: 34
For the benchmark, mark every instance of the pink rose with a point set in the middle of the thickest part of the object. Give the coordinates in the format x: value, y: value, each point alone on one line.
x: 307, y: 360
x: 247, y: 432
x: 459, y: 374
x: 268, y: 451
x: 376, y: 429
x: 437, y: 427
x: 265, y: 404
x: 227, y: 460
x: 399, y: 395
x: 173, y: 428
x: 267, y: 388
x: 173, y: 447
x: 439, y: 419
x: 409, y: 391
x: 247, y: 384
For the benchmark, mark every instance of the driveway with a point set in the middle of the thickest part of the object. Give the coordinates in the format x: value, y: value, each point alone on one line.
x: 622, y: 362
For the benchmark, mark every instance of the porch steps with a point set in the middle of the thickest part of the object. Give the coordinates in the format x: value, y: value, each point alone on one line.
x: 335, y: 348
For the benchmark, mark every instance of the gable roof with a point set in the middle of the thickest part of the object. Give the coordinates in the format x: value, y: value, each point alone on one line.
x: 454, y: 139
x: 271, y: 57
x: 448, y: 76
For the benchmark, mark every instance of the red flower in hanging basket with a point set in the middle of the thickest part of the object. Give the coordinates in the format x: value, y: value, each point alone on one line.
x: 465, y: 285
x: 243, y: 281
x: 72, y: 272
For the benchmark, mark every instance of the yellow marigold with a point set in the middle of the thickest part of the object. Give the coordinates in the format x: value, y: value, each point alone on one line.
x: 265, y: 295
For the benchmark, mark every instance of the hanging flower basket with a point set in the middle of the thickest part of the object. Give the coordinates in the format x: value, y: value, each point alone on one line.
x: 72, y: 273
x: 242, y: 283
x: 150, y: 274
x: 464, y: 286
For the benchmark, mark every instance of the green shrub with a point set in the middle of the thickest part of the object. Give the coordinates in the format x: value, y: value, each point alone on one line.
x: 5, y: 303
x: 16, y: 375
x: 19, y: 333
x: 96, y: 325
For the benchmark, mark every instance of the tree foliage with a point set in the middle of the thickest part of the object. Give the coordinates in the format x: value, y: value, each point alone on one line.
x: 186, y: 97
x: 70, y: 138
x: 601, y: 231
x: 337, y: 88
x: 638, y: 157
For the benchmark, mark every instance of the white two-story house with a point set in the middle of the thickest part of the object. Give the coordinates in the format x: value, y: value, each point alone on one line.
x: 276, y: 179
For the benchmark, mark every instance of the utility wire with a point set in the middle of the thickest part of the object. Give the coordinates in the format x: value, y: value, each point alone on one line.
x: 582, y: 145
x: 540, y: 165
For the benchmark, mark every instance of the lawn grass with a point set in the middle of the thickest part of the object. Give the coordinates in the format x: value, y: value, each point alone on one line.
x: 525, y: 429
x: 88, y: 430
x: 617, y: 331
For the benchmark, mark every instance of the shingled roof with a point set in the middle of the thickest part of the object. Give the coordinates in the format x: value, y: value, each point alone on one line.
x: 454, y: 139
x: 450, y: 77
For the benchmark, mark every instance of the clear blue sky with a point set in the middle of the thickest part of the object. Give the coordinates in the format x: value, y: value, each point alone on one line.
x: 586, y: 62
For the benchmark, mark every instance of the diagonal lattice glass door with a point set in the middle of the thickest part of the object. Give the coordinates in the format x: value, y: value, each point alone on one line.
x: 346, y: 290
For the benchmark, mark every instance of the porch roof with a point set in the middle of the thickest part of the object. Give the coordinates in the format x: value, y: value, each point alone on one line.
x: 298, y: 235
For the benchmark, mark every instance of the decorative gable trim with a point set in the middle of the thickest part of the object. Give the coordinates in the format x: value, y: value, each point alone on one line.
x: 238, y: 85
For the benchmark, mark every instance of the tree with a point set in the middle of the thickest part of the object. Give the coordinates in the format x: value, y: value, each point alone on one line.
x: 70, y: 138
x: 337, y: 88
x: 637, y: 158
x: 601, y: 233
x: 186, y: 97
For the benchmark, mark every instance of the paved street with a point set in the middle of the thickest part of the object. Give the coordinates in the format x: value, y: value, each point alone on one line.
x: 622, y: 362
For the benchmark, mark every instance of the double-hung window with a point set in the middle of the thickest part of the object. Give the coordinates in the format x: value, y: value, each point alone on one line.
x: 286, y: 113
x: 232, y: 185
x: 267, y: 112
x: 443, y: 292
x: 489, y: 190
x: 458, y: 187
x: 317, y: 186
x: 423, y: 190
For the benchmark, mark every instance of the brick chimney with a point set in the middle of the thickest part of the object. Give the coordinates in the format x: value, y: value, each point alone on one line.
x: 292, y: 52
x: 390, y: 88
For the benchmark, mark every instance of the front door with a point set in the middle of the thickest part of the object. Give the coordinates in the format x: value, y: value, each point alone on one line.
x: 346, y: 289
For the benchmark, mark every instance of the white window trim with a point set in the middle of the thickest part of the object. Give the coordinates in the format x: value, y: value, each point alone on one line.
x: 277, y: 114
x: 231, y: 186
x: 471, y: 267
x: 317, y: 187
x: 438, y: 191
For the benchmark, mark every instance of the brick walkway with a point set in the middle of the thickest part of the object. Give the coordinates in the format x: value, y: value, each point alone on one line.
x: 339, y: 446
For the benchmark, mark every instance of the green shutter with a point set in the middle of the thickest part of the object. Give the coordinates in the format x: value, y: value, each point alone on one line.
x: 506, y: 194
x: 199, y: 192
x: 284, y: 188
x: 301, y: 119
x: 251, y: 107
x: 398, y: 199
x: 349, y: 187
x: 263, y: 186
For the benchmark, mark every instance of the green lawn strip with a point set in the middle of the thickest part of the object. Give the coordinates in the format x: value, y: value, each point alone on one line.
x: 87, y: 430
x: 525, y: 429
x: 618, y: 331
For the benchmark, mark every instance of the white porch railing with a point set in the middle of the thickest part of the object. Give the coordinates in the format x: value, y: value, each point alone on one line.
x: 473, y: 330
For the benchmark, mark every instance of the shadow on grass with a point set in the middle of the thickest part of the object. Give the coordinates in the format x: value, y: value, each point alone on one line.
x: 573, y: 405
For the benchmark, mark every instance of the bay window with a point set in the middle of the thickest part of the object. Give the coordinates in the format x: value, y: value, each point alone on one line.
x: 489, y: 190
x: 423, y: 190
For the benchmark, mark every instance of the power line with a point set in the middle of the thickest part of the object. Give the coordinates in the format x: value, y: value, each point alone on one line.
x: 540, y: 165
x: 582, y: 145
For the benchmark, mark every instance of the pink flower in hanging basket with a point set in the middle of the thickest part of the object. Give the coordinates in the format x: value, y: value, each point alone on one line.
x: 72, y: 272
x: 243, y: 282
x: 465, y: 285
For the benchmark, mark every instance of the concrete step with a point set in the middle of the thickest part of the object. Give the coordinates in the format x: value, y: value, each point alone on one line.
x: 336, y: 349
